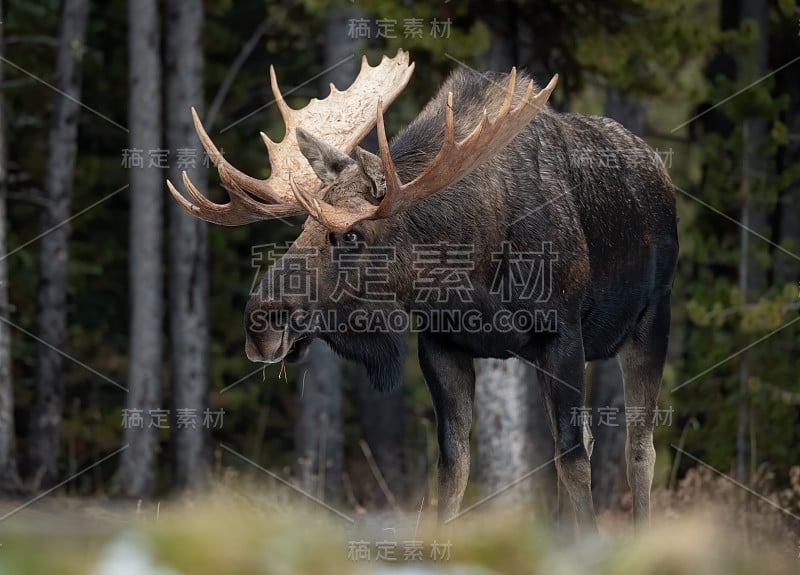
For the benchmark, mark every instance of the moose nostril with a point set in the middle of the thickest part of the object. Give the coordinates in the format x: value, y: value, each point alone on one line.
x: 251, y: 350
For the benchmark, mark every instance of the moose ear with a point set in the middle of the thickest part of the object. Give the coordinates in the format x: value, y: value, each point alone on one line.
x: 326, y: 161
x: 372, y: 167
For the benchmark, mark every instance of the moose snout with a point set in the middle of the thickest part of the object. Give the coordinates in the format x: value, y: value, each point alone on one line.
x: 275, y: 332
x: 263, y: 347
x: 260, y: 350
x: 264, y: 339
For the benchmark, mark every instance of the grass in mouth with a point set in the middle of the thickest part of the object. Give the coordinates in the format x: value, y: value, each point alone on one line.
x: 281, y: 372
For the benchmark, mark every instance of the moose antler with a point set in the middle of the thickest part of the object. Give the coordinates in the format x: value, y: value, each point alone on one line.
x: 454, y: 161
x: 342, y: 120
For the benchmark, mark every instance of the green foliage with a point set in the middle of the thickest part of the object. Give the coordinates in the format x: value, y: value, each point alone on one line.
x: 723, y: 319
x: 642, y: 51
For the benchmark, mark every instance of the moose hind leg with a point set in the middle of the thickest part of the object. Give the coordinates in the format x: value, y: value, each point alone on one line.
x: 642, y: 360
x: 450, y: 376
x: 561, y: 375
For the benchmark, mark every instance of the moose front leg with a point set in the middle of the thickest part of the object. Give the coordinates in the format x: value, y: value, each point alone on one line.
x: 450, y: 376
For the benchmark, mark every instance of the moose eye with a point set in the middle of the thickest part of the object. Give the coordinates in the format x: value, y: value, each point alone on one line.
x: 350, y: 237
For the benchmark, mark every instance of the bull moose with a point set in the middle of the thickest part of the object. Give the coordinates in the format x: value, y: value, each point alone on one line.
x: 486, y: 164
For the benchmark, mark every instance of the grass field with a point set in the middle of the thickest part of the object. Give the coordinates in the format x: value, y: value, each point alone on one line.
x: 239, y: 529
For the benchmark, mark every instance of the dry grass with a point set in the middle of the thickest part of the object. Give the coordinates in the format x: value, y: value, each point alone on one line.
x: 706, y: 526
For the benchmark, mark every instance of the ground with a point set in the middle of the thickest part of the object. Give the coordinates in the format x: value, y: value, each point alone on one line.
x: 703, y: 527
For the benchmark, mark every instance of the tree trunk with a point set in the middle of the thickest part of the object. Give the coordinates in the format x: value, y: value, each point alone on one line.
x: 318, y: 434
x: 188, y: 249
x: 506, y: 393
x: 607, y: 396
x: 789, y: 208
x: 743, y: 416
x: 501, y: 431
x: 753, y: 217
x: 9, y: 478
x: 52, y: 293
x: 138, y: 463
x: 501, y: 54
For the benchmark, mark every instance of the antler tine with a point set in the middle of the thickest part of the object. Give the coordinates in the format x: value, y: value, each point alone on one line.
x: 232, y: 177
x: 450, y: 124
x: 185, y: 204
x: 393, y: 183
x: 201, y: 202
x: 283, y: 107
x: 240, y: 210
x: 208, y: 144
x: 309, y: 202
x: 512, y: 86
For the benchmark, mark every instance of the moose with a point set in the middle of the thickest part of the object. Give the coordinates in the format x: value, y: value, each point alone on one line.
x: 488, y: 165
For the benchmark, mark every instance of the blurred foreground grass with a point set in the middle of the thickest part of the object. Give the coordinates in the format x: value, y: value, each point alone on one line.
x: 236, y: 532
